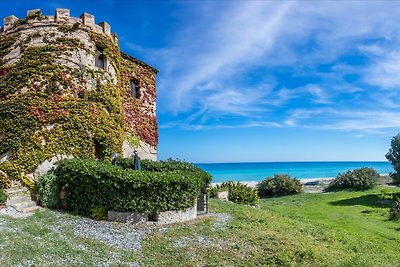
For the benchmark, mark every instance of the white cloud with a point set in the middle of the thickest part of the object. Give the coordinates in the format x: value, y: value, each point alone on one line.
x: 208, y: 67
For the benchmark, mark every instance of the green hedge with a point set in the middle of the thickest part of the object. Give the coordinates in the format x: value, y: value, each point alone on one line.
x: 167, y: 166
x: 90, y: 184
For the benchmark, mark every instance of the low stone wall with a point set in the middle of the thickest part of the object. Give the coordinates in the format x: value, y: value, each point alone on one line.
x: 177, y: 216
x: 165, y: 217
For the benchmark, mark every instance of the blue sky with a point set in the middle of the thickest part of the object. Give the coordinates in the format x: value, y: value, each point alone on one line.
x: 262, y: 80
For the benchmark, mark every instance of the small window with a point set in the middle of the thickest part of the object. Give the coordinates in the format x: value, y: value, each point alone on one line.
x: 99, y: 61
x: 134, y: 89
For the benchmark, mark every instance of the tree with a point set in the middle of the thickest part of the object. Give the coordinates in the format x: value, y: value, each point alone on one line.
x: 394, y: 157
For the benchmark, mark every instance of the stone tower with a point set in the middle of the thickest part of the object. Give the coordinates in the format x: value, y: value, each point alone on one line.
x: 66, y: 90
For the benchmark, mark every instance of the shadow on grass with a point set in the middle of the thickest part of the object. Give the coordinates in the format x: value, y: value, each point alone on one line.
x: 368, y: 200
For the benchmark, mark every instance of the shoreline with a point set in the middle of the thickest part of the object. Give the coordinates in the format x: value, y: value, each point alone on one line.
x: 321, y: 180
x: 302, y: 181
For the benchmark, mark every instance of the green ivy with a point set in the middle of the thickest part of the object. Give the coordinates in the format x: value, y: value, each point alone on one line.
x: 46, y: 108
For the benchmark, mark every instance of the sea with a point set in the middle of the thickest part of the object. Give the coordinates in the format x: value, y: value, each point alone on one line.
x: 257, y: 171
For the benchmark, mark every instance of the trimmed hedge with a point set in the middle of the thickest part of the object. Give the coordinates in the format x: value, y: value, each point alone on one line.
x: 279, y: 185
x: 357, y: 180
x: 167, y: 166
x: 89, y: 184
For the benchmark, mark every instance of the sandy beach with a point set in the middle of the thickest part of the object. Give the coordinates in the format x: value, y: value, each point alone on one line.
x: 318, y: 188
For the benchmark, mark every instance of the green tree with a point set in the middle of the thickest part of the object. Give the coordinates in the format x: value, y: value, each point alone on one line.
x: 394, y: 157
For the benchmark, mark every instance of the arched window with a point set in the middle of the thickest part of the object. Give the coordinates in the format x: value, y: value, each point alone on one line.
x: 99, y: 61
x: 134, y: 89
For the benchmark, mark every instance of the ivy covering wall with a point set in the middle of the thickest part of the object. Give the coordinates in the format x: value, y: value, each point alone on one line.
x: 49, y: 109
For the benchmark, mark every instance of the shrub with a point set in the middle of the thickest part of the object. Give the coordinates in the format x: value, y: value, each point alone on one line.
x: 394, y: 157
x: 242, y: 194
x: 167, y: 166
x: 279, y: 185
x: 238, y: 193
x: 394, y: 214
x: 48, y: 188
x: 357, y: 180
x: 89, y: 183
x: 98, y: 213
x: 3, y: 197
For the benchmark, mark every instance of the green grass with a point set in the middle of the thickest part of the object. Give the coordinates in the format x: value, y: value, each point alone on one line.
x: 33, y: 242
x: 335, y: 229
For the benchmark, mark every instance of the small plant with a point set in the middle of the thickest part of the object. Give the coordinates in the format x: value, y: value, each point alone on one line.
x: 3, y: 197
x: 394, y: 214
x: 48, y: 190
x: 279, y: 185
x: 242, y: 194
x: 237, y: 192
x: 357, y: 180
x: 98, y: 213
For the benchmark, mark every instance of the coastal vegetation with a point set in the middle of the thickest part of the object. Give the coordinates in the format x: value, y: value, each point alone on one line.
x: 357, y: 180
x: 238, y: 193
x: 346, y: 228
x: 279, y: 185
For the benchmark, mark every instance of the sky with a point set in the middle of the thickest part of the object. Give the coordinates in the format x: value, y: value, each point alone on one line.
x: 252, y: 81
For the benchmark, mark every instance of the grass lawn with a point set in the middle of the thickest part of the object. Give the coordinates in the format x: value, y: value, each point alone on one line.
x: 335, y: 229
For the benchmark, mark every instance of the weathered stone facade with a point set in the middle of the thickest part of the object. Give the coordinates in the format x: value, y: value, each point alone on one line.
x: 66, y: 90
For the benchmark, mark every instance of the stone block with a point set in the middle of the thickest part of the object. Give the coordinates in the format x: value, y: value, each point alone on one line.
x: 167, y: 217
x: 33, y: 12
x: 9, y: 22
x: 126, y: 217
x: 223, y: 195
x: 62, y: 13
x: 106, y: 28
x: 87, y: 19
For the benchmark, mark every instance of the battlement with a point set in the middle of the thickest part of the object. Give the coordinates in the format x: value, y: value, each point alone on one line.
x: 61, y: 16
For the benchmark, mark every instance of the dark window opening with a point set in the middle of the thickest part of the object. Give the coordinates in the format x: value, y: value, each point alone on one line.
x: 134, y: 89
x: 99, y: 61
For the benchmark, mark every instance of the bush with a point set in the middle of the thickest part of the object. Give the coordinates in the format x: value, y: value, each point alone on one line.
x: 89, y: 183
x: 279, y: 185
x: 48, y: 188
x: 3, y: 197
x: 356, y: 180
x: 98, y: 213
x: 167, y: 166
x: 238, y: 193
x: 394, y: 157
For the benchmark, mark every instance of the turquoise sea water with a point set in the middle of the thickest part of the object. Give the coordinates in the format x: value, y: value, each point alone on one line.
x: 257, y: 171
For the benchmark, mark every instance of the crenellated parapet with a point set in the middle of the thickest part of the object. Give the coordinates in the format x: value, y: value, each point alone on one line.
x: 34, y: 18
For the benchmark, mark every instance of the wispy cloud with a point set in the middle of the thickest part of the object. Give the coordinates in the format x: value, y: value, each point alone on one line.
x: 328, y: 65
